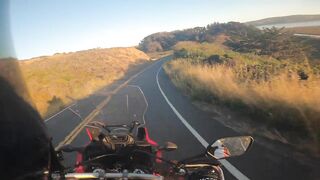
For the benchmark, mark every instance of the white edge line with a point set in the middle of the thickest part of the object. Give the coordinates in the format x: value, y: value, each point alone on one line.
x: 77, y: 114
x: 59, y: 112
x: 233, y: 170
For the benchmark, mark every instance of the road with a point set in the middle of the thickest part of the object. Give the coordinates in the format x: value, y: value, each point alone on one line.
x: 170, y: 116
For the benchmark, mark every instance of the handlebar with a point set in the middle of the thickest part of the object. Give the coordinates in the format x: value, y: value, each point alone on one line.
x: 112, y: 175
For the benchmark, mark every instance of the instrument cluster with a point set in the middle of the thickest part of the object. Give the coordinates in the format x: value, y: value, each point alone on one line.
x: 119, y: 137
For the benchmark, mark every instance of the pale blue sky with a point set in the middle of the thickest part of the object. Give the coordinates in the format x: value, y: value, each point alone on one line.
x: 44, y: 27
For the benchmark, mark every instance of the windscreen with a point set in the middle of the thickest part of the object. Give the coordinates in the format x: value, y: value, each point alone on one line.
x: 126, y: 105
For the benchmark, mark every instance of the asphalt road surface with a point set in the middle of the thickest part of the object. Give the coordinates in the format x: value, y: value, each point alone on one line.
x: 151, y: 98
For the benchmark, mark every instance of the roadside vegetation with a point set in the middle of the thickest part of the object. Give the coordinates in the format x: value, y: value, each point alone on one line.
x: 268, y: 74
x: 55, y: 81
x: 239, y: 37
x: 269, y: 91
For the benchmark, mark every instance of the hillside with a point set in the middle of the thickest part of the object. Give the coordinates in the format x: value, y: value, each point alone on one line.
x: 54, y: 81
x: 267, y: 75
x: 285, y: 19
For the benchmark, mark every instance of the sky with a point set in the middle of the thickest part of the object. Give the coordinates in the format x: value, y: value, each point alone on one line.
x: 45, y: 27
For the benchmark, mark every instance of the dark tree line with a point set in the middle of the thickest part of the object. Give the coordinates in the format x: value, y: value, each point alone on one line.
x: 165, y: 40
x: 274, y: 42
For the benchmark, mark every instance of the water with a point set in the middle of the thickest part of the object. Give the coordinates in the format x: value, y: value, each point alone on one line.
x: 297, y: 24
x: 307, y: 35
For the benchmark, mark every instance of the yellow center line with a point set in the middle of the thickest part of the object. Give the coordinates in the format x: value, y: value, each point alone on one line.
x: 74, y: 133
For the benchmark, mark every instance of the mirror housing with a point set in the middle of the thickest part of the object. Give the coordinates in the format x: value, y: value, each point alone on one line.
x: 229, y: 147
x: 168, y: 146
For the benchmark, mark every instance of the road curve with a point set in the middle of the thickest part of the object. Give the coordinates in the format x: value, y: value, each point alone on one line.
x: 170, y: 116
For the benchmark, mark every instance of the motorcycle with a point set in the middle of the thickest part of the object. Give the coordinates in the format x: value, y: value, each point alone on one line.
x: 115, y: 153
x: 124, y: 151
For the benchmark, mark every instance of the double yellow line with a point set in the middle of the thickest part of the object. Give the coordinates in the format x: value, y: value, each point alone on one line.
x: 74, y: 133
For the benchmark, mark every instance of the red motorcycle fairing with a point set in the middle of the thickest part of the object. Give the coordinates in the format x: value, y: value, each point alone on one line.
x: 153, y: 143
x: 80, y: 168
x: 149, y: 140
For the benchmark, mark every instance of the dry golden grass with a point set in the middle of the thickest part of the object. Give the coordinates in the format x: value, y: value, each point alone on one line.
x: 203, y: 49
x: 288, y: 101
x: 66, y: 76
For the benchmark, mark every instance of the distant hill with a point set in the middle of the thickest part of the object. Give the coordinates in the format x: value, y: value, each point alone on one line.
x: 285, y: 19
x: 54, y: 81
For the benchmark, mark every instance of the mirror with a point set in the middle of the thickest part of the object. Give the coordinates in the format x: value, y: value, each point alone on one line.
x: 168, y: 146
x: 229, y: 146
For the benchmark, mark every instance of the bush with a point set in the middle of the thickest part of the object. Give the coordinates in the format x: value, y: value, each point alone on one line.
x: 281, y: 94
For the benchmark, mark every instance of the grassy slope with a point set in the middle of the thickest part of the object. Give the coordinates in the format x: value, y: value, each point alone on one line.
x: 258, y: 86
x: 54, y: 81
